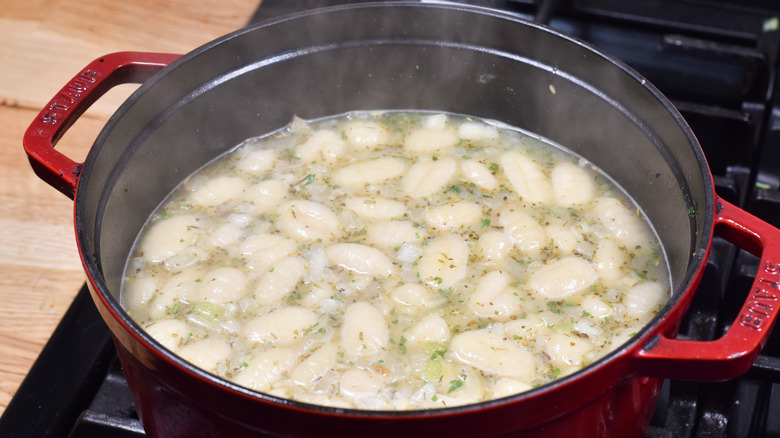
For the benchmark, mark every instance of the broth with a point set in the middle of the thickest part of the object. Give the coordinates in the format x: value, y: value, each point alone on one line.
x: 395, y: 260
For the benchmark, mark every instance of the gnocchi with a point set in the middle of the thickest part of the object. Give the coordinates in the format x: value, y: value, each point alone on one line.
x: 316, y: 365
x: 494, y: 353
x: 169, y: 237
x: 214, y: 192
x: 368, y: 172
x: 453, y: 217
x: 308, y: 220
x: 323, y: 145
x: 362, y: 134
x: 477, y: 173
x: 526, y: 177
x: 493, y: 297
x: 428, y: 177
x: 265, y: 195
x: 395, y: 260
x: 280, y: 327
x: 364, y: 332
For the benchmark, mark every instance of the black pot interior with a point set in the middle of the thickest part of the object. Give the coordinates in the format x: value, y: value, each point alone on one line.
x: 411, y: 56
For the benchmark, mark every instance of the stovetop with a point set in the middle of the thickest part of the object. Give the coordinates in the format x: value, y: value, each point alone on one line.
x: 716, y: 60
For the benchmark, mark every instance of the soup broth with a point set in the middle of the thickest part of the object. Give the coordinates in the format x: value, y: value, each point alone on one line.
x: 394, y: 261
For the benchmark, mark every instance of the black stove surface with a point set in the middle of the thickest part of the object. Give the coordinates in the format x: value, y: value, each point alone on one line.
x: 716, y: 60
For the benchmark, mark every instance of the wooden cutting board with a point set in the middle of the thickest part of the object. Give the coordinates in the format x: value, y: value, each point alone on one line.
x: 44, y: 43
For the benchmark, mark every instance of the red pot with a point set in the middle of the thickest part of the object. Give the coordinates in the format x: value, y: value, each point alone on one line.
x: 400, y: 56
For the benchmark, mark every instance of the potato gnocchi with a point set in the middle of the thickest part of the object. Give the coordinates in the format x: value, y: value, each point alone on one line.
x: 395, y: 261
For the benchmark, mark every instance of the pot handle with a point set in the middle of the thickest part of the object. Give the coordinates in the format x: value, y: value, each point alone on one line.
x: 71, y: 101
x: 734, y: 353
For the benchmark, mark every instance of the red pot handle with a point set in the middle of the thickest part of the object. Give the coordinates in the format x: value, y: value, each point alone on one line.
x: 72, y: 100
x: 733, y: 353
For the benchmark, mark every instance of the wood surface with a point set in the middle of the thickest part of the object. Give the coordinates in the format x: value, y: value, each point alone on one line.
x: 44, y: 43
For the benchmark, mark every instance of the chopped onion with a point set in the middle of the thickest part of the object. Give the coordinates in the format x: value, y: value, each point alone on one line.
x: 409, y: 252
x: 425, y: 393
x: 239, y: 219
x: 587, y: 328
x: 318, y: 262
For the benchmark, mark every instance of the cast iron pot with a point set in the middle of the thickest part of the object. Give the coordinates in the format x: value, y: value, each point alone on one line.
x: 414, y: 56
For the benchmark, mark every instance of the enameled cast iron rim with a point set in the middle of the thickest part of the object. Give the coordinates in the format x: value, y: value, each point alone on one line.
x: 696, y: 263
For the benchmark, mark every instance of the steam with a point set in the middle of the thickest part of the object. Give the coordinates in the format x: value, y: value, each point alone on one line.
x: 415, y: 56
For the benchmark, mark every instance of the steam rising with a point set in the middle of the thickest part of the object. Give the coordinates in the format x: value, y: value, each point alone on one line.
x: 414, y: 56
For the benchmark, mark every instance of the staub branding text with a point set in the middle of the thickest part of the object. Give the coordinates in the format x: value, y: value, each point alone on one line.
x: 762, y: 299
x: 69, y: 95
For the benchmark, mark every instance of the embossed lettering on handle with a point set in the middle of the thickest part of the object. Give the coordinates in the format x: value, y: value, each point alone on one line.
x: 734, y: 352
x: 762, y: 302
x: 71, y: 101
x: 69, y: 96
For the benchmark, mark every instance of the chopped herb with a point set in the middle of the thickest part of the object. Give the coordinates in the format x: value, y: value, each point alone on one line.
x: 431, y: 360
x: 402, y: 345
x: 454, y: 385
x: 438, y: 353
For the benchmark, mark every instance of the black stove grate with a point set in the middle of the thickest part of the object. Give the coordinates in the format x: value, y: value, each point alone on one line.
x: 716, y: 60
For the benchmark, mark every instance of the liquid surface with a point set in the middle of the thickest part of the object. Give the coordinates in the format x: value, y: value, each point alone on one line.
x: 395, y: 261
